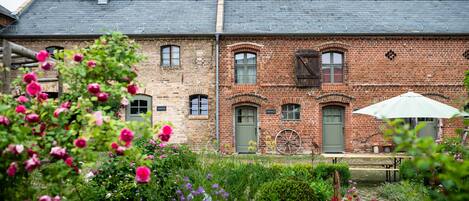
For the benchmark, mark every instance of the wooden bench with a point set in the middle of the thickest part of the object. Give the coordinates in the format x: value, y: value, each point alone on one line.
x: 388, y: 171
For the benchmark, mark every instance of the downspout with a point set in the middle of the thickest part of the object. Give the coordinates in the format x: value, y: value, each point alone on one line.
x: 217, y: 90
x: 218, y: 31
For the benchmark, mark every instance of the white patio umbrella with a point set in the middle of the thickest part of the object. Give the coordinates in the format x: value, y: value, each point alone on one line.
x: 409, y: 105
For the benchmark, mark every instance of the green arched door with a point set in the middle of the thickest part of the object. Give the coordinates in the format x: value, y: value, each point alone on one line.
x: 333, y: 129
x: 245, y: 128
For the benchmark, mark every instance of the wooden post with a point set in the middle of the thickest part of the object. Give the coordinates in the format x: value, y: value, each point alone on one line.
x: 337, y: 193
x: 6, y: 81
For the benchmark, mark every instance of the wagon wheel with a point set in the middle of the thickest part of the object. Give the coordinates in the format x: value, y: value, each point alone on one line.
x: 288, y: 142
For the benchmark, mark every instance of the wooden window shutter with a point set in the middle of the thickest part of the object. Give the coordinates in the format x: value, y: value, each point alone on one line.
x: 307, y: 68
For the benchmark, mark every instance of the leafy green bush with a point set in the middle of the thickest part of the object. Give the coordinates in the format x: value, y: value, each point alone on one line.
x: 323, y: 189
x: 404, y: 191
x: 326, y: 170
x: 114, y: 180
x: 408, y: 172
x: 285, y: 189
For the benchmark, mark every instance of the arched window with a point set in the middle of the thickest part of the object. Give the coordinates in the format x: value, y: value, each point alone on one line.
x: 245, y: 68
x: 141, y: 104
x: 198, y: 104
x: 170, y: 56
x: 291, y: 112
x: 332, y: 67
x: 53, y: 50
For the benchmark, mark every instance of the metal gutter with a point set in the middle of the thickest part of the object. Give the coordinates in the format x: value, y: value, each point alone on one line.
x: 217, y: 89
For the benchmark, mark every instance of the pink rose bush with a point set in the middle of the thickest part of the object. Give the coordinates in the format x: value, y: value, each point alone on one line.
x: 57, y: 136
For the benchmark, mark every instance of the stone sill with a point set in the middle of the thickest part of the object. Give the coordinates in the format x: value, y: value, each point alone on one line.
x: 198, y: 117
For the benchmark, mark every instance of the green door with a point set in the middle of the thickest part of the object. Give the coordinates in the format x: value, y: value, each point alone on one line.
x: 246, y: 129
x: 430, y: 129
x: 140, y: 104
x: 333, y: 129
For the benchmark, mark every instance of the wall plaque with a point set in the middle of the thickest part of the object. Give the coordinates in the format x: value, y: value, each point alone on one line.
x: 160, y: 108
x: 270, y: 111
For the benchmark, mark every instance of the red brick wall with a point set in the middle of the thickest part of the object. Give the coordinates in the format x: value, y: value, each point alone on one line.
x: 429, y: 65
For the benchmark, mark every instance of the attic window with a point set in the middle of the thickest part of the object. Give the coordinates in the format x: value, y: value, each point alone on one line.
x: 102, y: 2
x: 390, y: 55
x: 466, y: 54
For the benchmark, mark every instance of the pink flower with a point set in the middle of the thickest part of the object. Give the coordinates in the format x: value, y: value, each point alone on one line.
x: 47, y: 65
x: 67, y: 105
x: 126, y: 135
x: 80, y: 143
x: 94, y: 88
x: 149, y: 157
x: 132, y: 89
x: 45, y: 198
x: 102, y: 97
x: 120, y: 150
x: 4, y: 120
x: 114, y: 145
x: 99, y: 118
x: 22, y: 99
x: 42, y: 97
x: 32, y: 163
x: 56, y: 198
x: 21, y: 109
x: 164, y: 138
x: 69, y: 161
x: 32, y: 118
x: 124, y: 101
x: 33, y: 88
x: 167, y: 130
x: 42, y: 55
x: 91, y: 63
x: 58, y: 152
x: 152, y: 142
x: 11, y: 171
x: 142, y: 174
x: 16, y: 149
x: 162, y: 156
x: 58, y: 111
x: 175, y: 147
x: 29, y: 77
x: 162, y: 145
x: 78, y: 57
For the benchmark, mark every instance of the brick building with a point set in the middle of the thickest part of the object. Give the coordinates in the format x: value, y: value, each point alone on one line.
x: 304, y: 67
x: 285, y: 68
x: 178, y: 72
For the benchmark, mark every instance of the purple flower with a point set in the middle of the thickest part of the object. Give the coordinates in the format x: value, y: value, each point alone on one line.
x: 189, y: 186
x: 200, y: 190
x: 186, y: 179
x: 178, y: 192
x: 215, y: 186
x: 209, y: 176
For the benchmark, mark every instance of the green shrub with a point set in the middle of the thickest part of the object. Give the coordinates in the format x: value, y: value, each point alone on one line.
x: 404, y: 191
x: 407, y: 171
x: 326, y: 170
x: 115, y: 177
x: 285, y: 189
x: 302, y: 172
x: 323, y: 189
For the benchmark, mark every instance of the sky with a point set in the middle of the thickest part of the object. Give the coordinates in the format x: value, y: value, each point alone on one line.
x: 11, y: 5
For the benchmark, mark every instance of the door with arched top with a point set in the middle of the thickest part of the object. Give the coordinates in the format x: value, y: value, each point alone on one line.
x: 246, y: 129
x: 333, y: 129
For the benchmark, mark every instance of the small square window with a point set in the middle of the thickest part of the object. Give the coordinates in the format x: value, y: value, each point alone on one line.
x: 291, y: 112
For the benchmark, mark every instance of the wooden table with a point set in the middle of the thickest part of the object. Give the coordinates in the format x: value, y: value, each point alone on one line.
x: 396, y: 161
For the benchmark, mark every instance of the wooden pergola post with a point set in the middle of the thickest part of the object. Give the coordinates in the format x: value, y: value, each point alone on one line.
x: 6, y: 80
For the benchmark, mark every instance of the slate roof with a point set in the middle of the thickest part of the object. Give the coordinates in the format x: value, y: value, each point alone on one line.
x: 86, y: 17
x: 346, y: 16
